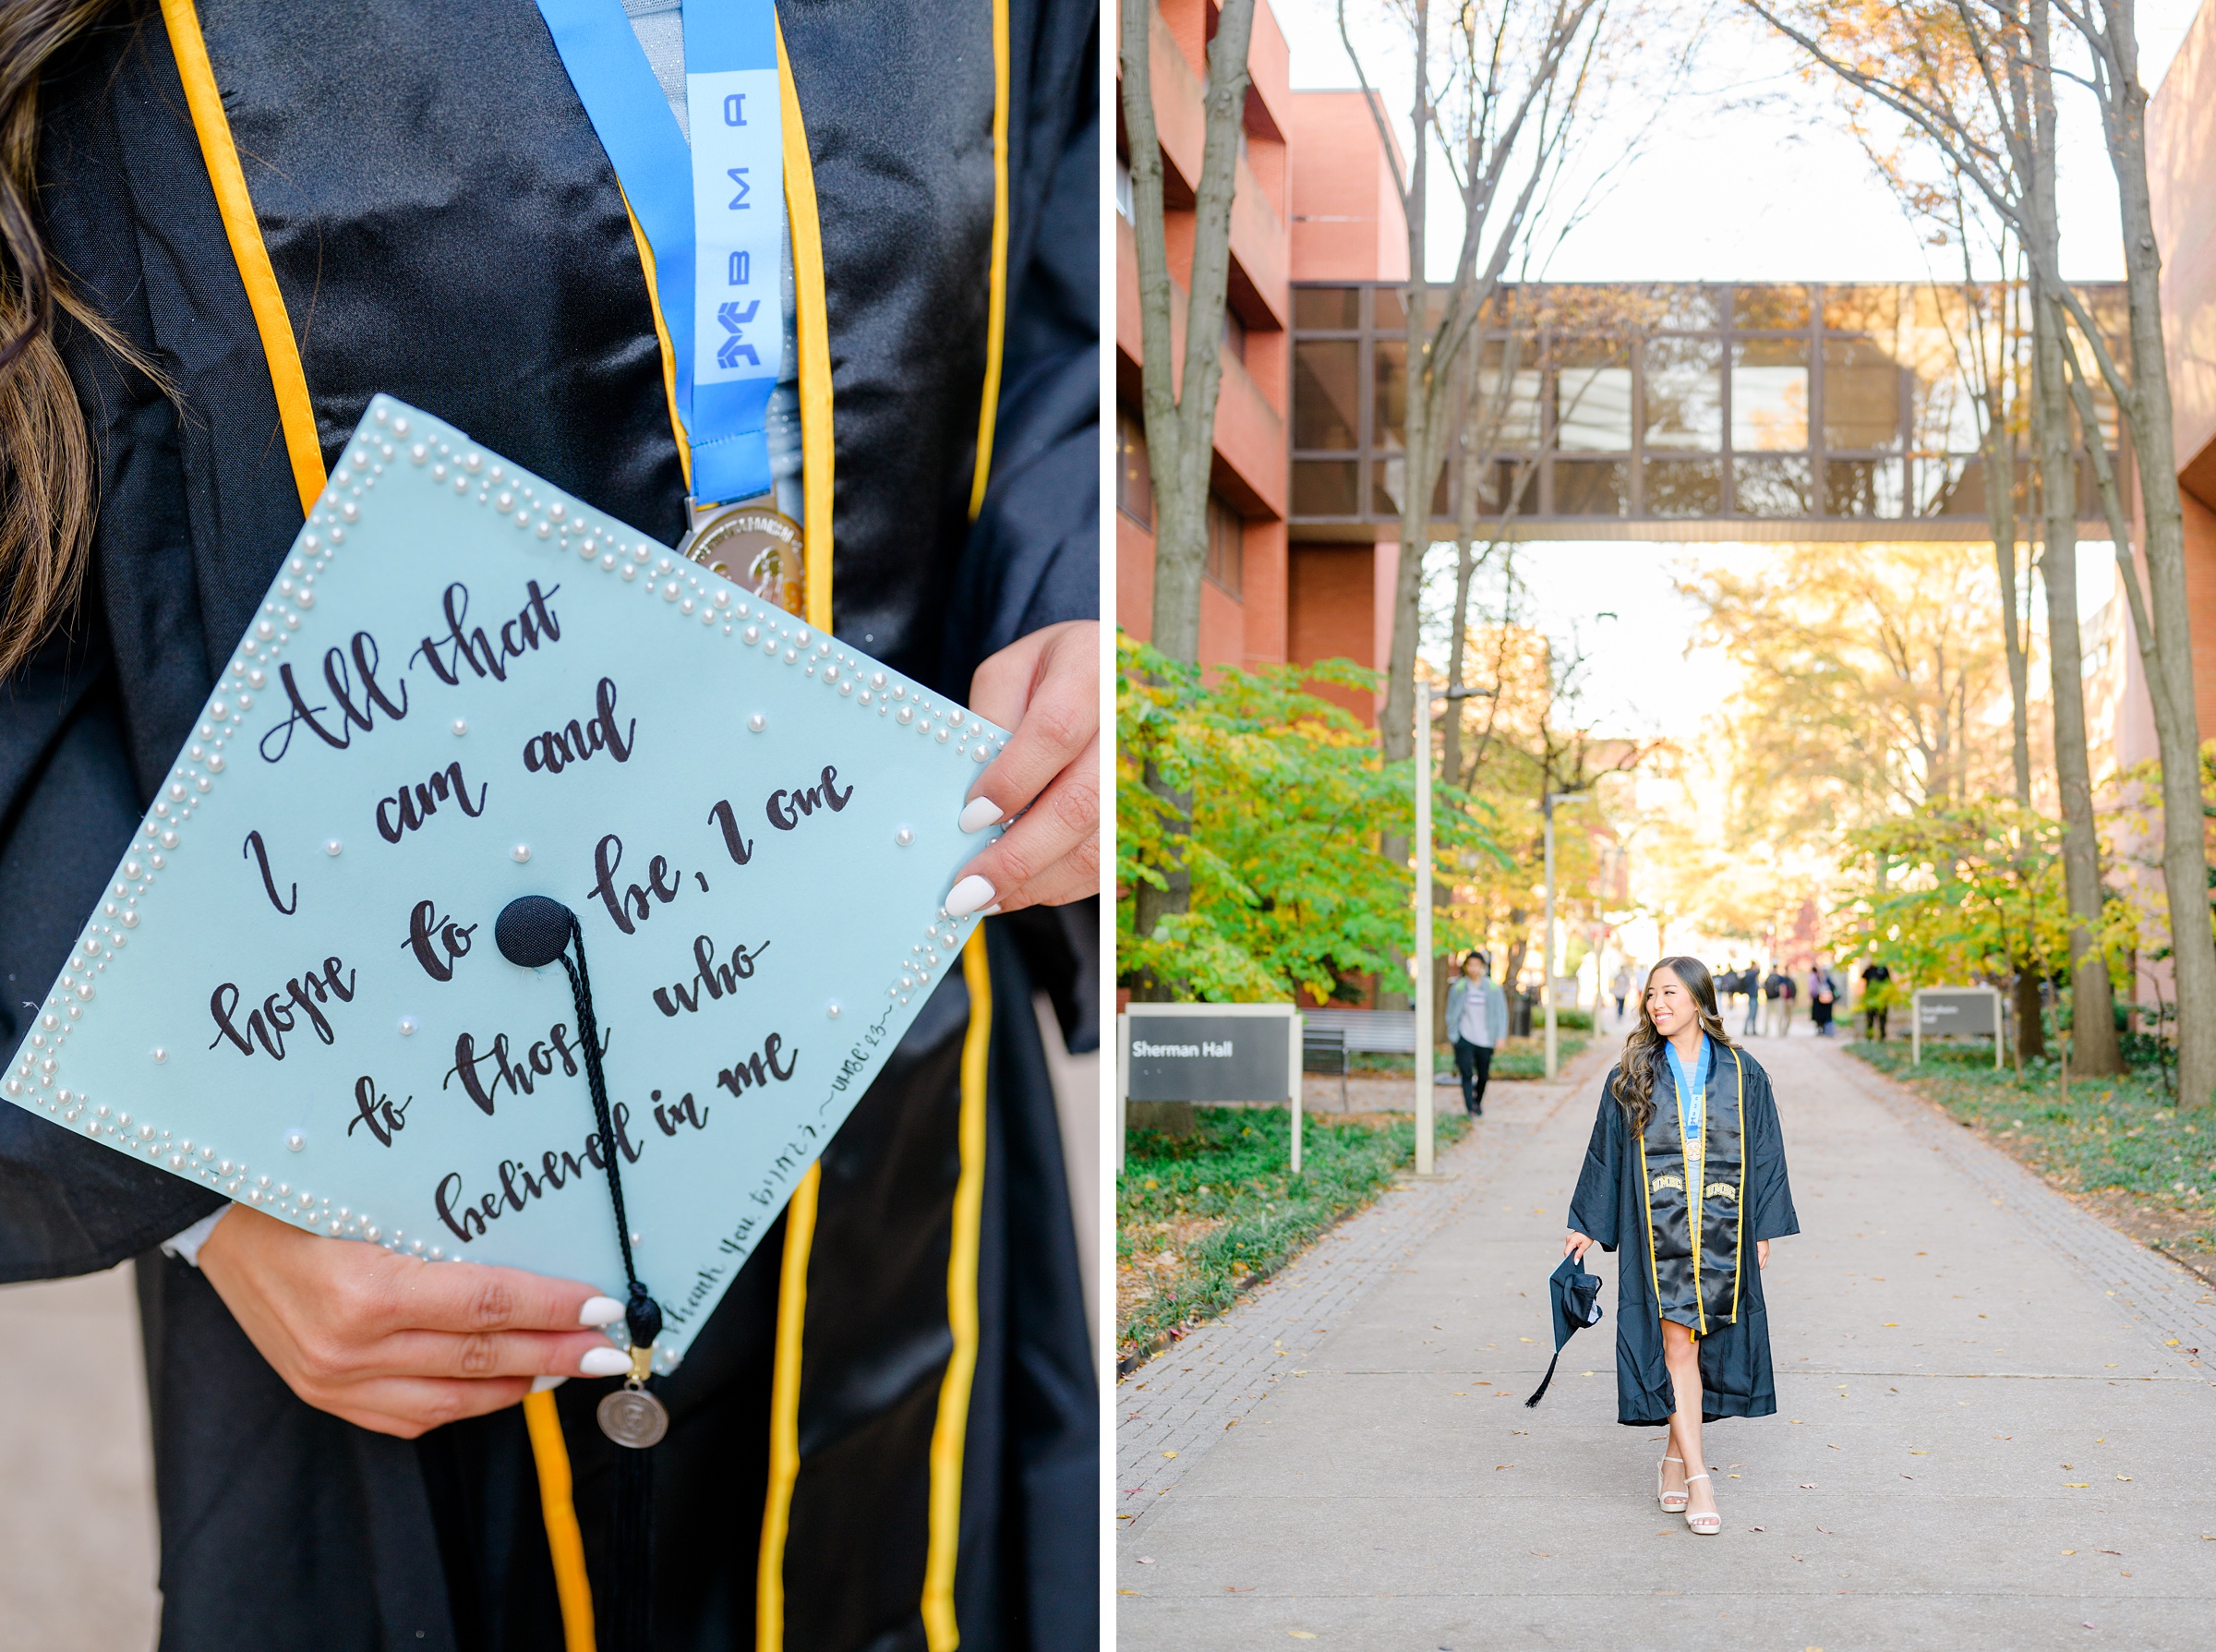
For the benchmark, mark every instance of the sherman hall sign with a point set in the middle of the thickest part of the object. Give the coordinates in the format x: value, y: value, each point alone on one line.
x: 1211, y: 1052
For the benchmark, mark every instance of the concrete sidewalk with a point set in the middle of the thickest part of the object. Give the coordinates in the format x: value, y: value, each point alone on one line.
x: 77, y: 1495
x: 1995, y: 1426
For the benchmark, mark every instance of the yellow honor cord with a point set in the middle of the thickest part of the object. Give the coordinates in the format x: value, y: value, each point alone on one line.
x: 950, y: 1431
x: 785, y: 1412
x: 573, y: 1587
x: 812, y: 324
x: 996, y: 315
x: 281, y: 351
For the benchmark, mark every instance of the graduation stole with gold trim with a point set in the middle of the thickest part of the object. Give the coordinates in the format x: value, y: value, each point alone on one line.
x: 1692, y: 1244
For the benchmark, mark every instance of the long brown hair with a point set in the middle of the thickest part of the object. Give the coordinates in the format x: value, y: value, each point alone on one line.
x: 49, y: 483
x: 1642, y: 1050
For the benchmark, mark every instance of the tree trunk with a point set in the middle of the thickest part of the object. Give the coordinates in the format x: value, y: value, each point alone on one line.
x: 2030, y: 1028
x: 1518, y: 950
x: 1995, y: 351
x: 1150, y: 905
x: 1180, y: 410
x: 1181, y: 407
x: 2092, y: 1018
x: 2092, y: 1005
x: 1466, y: 569
x: 2000, y: 511
x: 1397, y: 725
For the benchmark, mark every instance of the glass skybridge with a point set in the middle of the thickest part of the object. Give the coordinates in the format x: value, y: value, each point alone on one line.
x: 1674, y: 412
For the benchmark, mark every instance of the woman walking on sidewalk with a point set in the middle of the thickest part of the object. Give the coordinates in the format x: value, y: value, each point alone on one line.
x: 1685, y: 1170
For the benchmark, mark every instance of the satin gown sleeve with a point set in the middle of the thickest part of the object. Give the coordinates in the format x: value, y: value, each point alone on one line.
x: 1769, y: 1190
x: 1033, y: 558
x: 1595, y: 1210
x: 89, y: 724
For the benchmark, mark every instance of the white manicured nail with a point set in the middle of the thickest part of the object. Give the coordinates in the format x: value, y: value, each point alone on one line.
x: 968, y: 896
x: 599, y: 1310
x: 604, y: 1362
x: 977, y: 814
x: 547, y: 1384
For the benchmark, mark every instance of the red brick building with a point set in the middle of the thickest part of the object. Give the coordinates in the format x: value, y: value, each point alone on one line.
x: 1317, y: 200
x: 2181, y: 164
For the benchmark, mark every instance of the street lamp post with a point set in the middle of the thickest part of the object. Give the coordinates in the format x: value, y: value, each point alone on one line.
x: 1424, y: 702
x: 1547, y: 981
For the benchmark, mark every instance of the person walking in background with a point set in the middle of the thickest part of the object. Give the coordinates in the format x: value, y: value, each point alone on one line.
x: 1621, y: 987
x: 1478, y: 1015
x: 1877, y: 998
x: 1750, y: 988
x: 1823, y: 997
x: 1685, y: 1171
x: 1778, y: 1002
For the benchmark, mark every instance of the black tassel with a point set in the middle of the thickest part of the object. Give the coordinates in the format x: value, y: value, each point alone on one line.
x: 630, y: 1615
x: 533, y: 931
x: 1541, y: 1392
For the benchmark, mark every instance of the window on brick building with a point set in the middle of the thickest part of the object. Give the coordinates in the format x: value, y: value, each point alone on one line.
x: 1226, y: 545
x: 1134, y: 476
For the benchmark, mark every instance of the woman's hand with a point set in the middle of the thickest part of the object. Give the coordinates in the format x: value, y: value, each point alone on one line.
x: 395, y: 1345
x: 1576, y: 1244
x: 1762, y: 1253
x: 1046, y: 689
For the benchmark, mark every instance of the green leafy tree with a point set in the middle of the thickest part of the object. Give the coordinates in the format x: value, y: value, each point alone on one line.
x: 1291, y: 802
x: 1962, y: 892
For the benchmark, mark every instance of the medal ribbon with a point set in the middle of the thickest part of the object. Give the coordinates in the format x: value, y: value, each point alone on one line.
x: 1690, y: 1085
x: 714, y: 215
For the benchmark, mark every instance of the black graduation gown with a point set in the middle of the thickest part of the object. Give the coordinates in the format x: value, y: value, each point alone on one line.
x: 444, y: 225
x: 1610, y: 1207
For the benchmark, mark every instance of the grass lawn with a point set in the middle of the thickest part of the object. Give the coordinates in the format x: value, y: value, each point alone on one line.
x: 1199, y: 1217
x: 2116, y: 1144
x: 1526, y: 1057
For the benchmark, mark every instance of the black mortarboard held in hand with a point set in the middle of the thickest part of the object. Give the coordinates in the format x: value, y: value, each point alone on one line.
x: 1576, y: 1305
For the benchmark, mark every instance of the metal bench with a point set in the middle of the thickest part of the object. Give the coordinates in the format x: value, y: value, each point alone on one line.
x: 1324, y: 1050
x: 1372, y: 1031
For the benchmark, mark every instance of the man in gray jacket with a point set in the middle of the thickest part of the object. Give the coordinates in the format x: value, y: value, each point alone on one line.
x: 1476, y: 1018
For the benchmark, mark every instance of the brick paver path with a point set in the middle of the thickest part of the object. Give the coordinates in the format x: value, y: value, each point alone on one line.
x: 1996, y: 1426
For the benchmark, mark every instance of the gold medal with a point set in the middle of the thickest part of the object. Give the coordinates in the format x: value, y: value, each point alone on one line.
x: 754, y: 545
x: 631, y: 1416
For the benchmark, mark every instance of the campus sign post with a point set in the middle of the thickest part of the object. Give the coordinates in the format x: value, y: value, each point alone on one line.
x: 1208, y: 1052
x: 1955, y: 1012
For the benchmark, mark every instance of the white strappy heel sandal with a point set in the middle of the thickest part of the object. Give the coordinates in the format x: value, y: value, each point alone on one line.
x: 1704, y: 1525
x: 1673, y: 1502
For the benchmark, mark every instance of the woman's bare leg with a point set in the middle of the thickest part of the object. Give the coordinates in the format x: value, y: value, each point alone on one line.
x: 1682, y: 1354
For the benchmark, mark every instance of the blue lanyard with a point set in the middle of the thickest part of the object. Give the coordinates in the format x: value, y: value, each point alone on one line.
x: 715, y: 216
x: 1691, y: 1110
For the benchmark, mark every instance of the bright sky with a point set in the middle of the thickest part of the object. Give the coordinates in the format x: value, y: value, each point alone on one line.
x: 1753, y: 175
x: 1643, y: 680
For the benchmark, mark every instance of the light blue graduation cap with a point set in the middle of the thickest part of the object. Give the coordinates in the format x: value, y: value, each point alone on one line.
x: 463, y: 688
